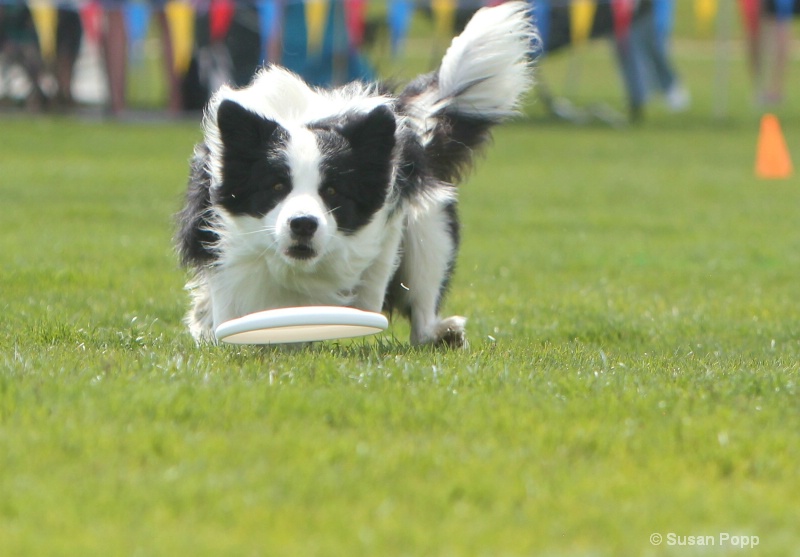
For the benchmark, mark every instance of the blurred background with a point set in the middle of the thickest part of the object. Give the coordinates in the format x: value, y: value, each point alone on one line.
x: 612, y: 62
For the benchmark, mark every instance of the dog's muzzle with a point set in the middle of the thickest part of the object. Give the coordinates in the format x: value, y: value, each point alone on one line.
x: 302, y: 229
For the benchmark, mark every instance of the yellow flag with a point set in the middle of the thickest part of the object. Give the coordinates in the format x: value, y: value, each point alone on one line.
x: 706, y: 12
x: 444, y: 16
x: 581, y: 17
x: 316, y: 16
x: 180, y: 18
x: 45, y: 18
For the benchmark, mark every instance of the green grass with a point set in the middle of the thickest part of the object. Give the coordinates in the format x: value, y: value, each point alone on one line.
x: 635, y: 336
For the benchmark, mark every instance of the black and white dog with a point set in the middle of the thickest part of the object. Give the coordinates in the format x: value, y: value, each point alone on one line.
x: 301, y: 196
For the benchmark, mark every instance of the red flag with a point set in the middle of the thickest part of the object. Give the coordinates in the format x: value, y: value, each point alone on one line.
x: 91, y: 17
x: 220, y: 15
x: 622, y: 12
x: 751, y: 14
x: 354, y: 13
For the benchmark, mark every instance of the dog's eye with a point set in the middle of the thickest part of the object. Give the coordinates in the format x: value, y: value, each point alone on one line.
x: 330, y: 191
x: 278, y: 187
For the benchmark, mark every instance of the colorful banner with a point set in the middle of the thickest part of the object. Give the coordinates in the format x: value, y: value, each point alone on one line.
x: 581, y: 17
x: 314, y: 17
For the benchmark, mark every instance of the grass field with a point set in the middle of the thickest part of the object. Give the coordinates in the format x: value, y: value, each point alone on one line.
x: 633, y: 302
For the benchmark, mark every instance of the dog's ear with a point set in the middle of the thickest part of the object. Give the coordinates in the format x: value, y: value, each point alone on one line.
x: 373, y: 133
x: 243, y: 132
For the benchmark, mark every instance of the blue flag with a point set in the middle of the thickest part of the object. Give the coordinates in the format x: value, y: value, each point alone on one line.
x: 267, y: 18
x: 137, y: 20
x: 400, y: 12
x: 664, y: 14
x: 783, y: 9
x: 541, y: 18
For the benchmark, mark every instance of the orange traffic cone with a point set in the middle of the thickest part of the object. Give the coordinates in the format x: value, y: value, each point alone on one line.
x: 772, y: 156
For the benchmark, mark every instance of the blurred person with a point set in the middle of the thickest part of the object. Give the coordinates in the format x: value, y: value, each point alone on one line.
x: 115, y: 51
x: 19, y: 46
x: 173, y: 77
x: 777, y: 36
x: 69, y: 32
x: 114, y: 41
x: 646, y: 65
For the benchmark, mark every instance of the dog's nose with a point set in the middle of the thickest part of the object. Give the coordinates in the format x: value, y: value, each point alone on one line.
x: 303, y: 227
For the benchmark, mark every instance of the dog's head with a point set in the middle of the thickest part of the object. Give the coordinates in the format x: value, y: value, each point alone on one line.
x: 297, y: 187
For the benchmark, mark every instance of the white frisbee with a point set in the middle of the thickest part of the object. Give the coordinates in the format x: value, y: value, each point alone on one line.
x: 300, y: 324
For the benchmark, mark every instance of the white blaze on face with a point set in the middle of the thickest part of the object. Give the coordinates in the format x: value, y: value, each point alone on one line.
x: 304, y: 158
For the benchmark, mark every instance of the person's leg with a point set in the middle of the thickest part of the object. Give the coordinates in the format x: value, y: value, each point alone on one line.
x: 630, y: 65
x: 661, y: 70
x: 115, y: 51
x: 68, y: 40
x: 780, y: 33
x: 751, y: 12
x: 173, y: 80
x: 655, y: 52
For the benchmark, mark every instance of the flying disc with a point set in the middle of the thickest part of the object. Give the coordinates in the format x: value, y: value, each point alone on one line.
x: 300, y: 324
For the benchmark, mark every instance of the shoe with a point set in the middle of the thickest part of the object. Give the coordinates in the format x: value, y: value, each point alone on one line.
x: 677, y: 98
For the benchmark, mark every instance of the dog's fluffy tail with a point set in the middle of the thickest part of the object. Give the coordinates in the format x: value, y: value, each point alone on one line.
x: 486, y: 69
x: 480, y: 82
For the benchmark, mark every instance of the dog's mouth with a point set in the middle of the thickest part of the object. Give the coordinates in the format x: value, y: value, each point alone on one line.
x: 301, y: 252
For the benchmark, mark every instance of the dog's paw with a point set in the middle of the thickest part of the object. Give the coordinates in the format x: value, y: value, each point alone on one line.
x: 451, y: 332
x: 202, y: 335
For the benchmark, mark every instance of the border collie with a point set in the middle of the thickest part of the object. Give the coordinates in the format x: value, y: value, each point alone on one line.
x: 301, y: 196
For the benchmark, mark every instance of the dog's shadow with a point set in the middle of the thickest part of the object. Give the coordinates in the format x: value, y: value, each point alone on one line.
x: 358, y: 349
x: 363, y: 349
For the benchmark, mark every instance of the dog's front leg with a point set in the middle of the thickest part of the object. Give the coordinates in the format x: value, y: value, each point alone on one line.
x: 372, y: 288
x: 430, y: 248
x: 200, y: 318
